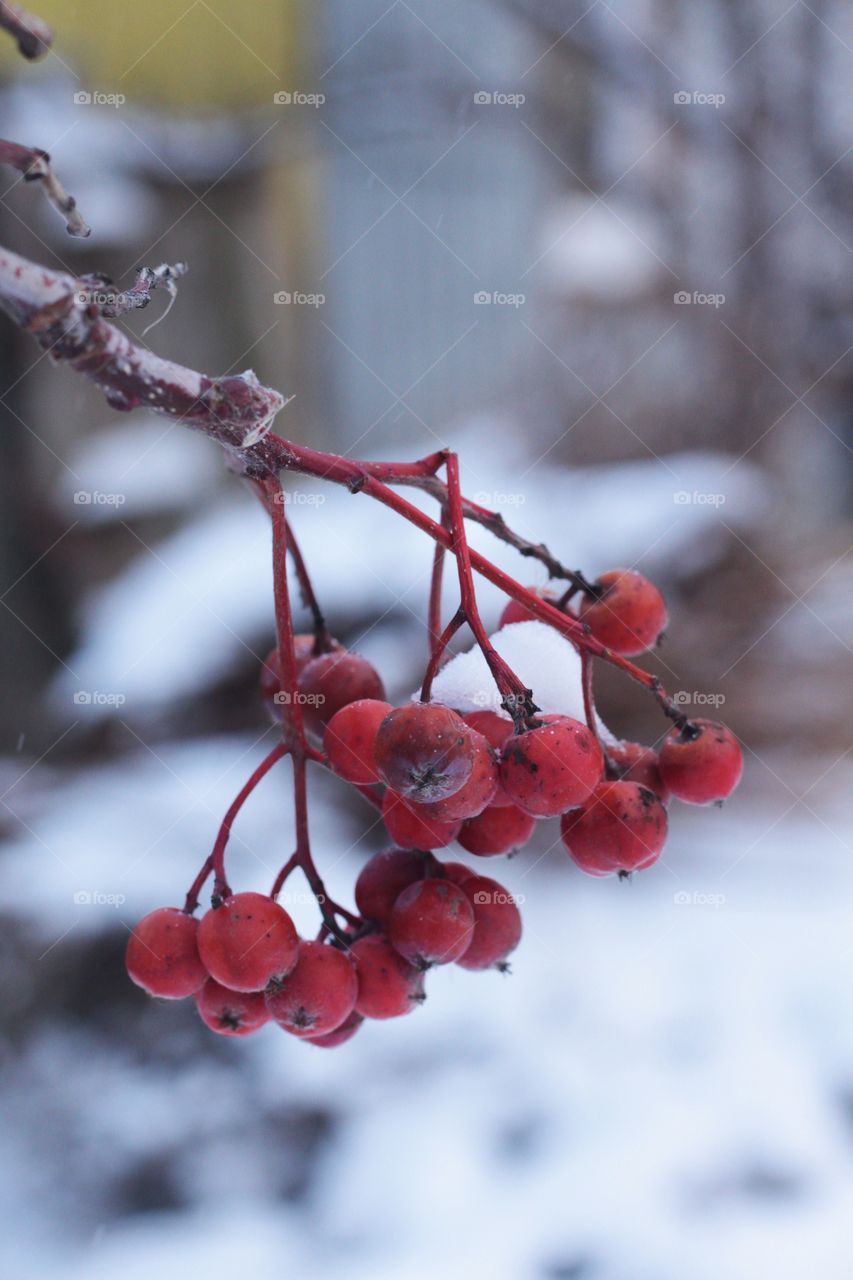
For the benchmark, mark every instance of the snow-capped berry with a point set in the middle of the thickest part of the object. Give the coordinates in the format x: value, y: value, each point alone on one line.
x: 424, y: 751
x: 388, y: 986
x: 627, y: 614
x: 231, y: 1013
x: 247, y: 940
x: 497, y: 830
x: 551, y: 768
x: 497, y: 924
x: 701, y: 763
x: 349, y: 738
x: 332, y: 681
x: 622, y: 827
x: 431, y: 923
x: 479, y: 789
x: 340, y: 1035
x: 632, y: 762
x: 381, y: 881
x: 162, y: 954
x: 317, y: 995
x: 412, y: 826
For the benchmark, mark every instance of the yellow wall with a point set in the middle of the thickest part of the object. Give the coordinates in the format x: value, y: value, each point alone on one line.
x: 192, y: 54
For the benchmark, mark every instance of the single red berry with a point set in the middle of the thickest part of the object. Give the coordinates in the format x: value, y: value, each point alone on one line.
x: 413, y: 826
x: 497, y: 924
x: 632, y: 762
x: 162, y: 954
x: 479, y: 790
x: 349, y: 739
x: 340, y: 1035
x: 701, y: 763
x: 627, y: 614
x: 554, y: 767
x: 424, y: 751
x: 304, y: 648
x: 247, y: 940
x: 516, y: 612
x: 332, y: 681
x: 231, y: 1013
x: 388, y: 986
x: 317, y: 995
x: 622, y: 827
x: 431, y: 923
x: 381, y: 881
x: 497, y: 830
x: 496, y: 730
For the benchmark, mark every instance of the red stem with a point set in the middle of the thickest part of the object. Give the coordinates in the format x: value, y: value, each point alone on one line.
x: 438, y: 652
x: 217, y: 857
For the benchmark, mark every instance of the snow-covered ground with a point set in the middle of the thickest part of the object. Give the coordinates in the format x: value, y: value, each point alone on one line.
x: 662, y: 1088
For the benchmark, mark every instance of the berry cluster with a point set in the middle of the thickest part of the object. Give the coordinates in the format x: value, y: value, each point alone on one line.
x: 483, y: 779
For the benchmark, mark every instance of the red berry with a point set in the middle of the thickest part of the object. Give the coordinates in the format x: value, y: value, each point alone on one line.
x: 622, y: 827
x: 231, y: 1013
x: 340, y: 1035
x: 515, y: 612
x: 457, y: 871
x: 424, y: 751
x: 473, y: 796
x: 702, y: 763
x: 495, y: 729
x: 413, y: 826
x: 497, y: 924
x: 497, y: 830
x: 431, y: 923
x: 319, y: 993
x: 632, y: 762
x: 349, y: 739
x: 162, y: 954
x: 551, y: 768
x: 332, y: 681
x: 303, y: 650
x: 629, y: 614
x: 388, y: 986
x: 381, y: 881
x: 246, y: 941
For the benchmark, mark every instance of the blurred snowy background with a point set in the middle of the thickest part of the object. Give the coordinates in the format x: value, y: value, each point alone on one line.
x: 603, y: 250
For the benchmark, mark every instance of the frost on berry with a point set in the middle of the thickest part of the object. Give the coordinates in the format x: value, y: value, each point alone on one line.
x: 431, y: 923
x: 349, y: 739
x: 317, y: 995
x: 388, y: 985
x: 332, y: 681
x: 497, y: 830
x: 412, y: 826
x: 621, y: 828
x: 702, y: 762
x: 340, y: 1035
x: 551, y: 768
x: 162, y: 954
x: 231, y: 1013
x: 247, y: 940
x: 381, y: 881
x: 424, y: 752
x: 627, y: 613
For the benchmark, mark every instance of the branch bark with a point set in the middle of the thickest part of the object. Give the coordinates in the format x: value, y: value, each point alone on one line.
x: 32, y: 36
x: 34, y: 164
